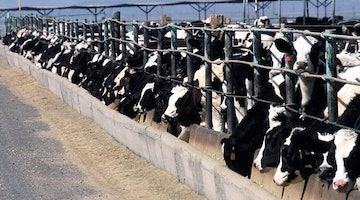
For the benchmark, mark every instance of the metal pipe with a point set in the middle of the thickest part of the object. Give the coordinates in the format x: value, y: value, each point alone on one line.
x: 106, y: 37
x: 123, y: 37
x: 189, y: 48
x: 136, y: 37
x: 101, y: 38
x: 289, y: 83
x: 173, y: 31
x: 208, y: 93
x: 230, y: 111
x: 159, y: 46
x: 331, y: 72
x: 146, y: 42
x: 257, y: 56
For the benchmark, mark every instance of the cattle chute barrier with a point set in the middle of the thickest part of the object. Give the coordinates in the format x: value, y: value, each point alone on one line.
x: 109, y: 37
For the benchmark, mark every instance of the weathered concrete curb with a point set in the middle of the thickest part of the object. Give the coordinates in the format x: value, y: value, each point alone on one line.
x: 203, y: 174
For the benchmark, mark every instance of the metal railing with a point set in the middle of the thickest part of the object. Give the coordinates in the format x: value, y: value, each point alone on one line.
x: 109, y: 37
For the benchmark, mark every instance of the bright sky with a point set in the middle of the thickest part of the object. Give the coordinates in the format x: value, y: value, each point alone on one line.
x: 347, y: 8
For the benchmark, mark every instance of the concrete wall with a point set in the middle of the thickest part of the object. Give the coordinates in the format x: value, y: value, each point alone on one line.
x: 204, y: 174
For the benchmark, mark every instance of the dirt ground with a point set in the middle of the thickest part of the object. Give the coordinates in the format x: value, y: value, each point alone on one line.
x: 108, y: 166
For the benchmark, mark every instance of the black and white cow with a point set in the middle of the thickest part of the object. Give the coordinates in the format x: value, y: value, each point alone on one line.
x: 239, y: 148
x: 347, y: 155
x: 299, y: 155
x: 310, y: 149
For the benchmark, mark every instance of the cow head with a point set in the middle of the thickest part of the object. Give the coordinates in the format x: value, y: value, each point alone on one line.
x: 299, y: 155
x: 347, y: 157
x: 233, y: 156
x: 279, y: 130
x: 147, y: 98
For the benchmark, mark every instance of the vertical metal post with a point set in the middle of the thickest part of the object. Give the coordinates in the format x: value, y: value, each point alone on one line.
x: 289, y: 83
x: 116, y: 28
x: 57, y: 27
x: 76, y: 29
x: 331, y: 72
x: 84, y: 29
x: 245, y: 2
x: 7, y: 19
x: 279, y: 12
x: 257, y: 57
x: 333, y: 12
x: 189, y: 67
x: 208, y: 93
x: 31, y: 23
x: 106, y: 38
x: 136, y: 37
x: 92, y: 36
x: 146, y: 42
x: 68, y: 29
x: 123, y: 37
x: 72, y: 31
x: 173, y: 47
x: 46, y: 21
x: 100, y: 37
x: 112, y: 41
x: 230, y: 111
x: 159, y: 46
x: 63, y: 28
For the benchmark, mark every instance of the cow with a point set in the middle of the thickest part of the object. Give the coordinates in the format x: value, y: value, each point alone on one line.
x: 239, y: 148
x: 347, y: 155
x: 311, y: 149
x: 183, y: 109
x: 299, y: 155
x: 346, y: 148
x: 310, y: 97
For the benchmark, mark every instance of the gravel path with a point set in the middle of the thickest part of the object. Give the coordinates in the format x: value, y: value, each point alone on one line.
x: 49, y: 151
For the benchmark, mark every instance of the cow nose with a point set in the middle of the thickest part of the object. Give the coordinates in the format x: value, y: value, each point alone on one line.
x: 257, y: 166
x: 164, y: 118
x: 325, y: 173
x: 138, y: 109
x: 340, y: 185
x: 300, y: 65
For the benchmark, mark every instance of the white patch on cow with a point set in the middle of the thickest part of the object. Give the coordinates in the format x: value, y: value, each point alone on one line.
x: 106, y: 61
x: 152, y: 61
x: 71, y: 74
x: 274, y: 112
x: 325, y: 163
x: 249, y: 88
x: 280, y: 178
x: 148, y: 86
x: 122, y: 91
x: 348, y: 59
x: 348, y: 91
x: 266, y: 41
x: 276, y: 81
x: 259, y: 157
x: 325, y: 137
x: 345, y: 142
x: 96, y: 58
x: 180, y: 34
x: 177, y: 92
x: 276, y: 57
x: 243, y: 39
x: 357, y: 184
x: 120, y: 76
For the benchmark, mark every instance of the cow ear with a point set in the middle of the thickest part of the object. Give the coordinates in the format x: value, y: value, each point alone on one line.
x: 283, y: 46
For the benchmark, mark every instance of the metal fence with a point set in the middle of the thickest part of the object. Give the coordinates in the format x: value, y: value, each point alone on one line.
x: 109, y: 36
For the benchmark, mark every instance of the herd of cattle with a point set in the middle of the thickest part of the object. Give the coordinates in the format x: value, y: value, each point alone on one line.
x: 288, y: 137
